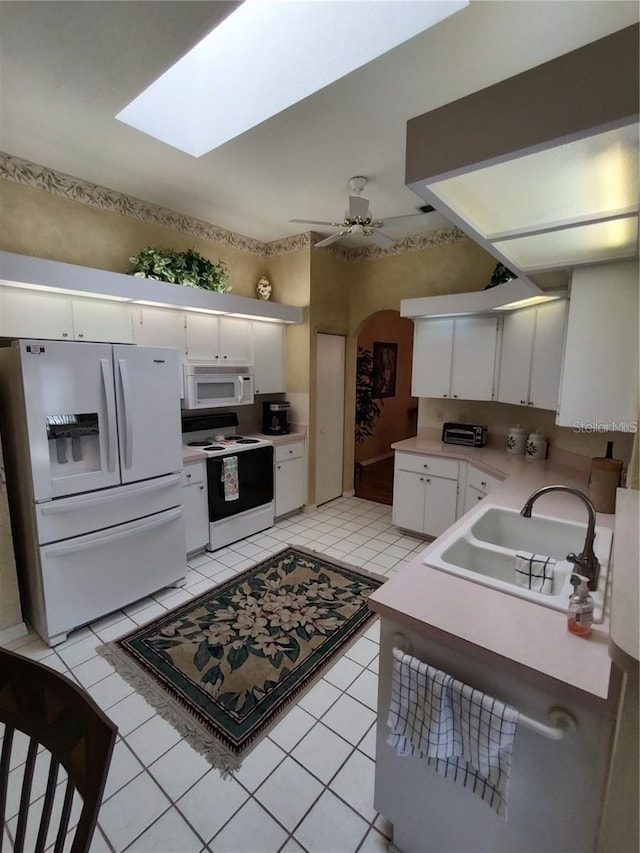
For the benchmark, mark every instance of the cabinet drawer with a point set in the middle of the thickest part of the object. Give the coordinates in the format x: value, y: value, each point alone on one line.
x: 435, y: 465
x: 481, y: 481
x: 193, y: 473
x: 295, y: 450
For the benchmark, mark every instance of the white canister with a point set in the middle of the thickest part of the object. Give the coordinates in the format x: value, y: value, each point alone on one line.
x: 516, y: 440
x: 536, y: 447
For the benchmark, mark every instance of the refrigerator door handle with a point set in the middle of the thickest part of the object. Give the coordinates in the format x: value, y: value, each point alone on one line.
x: 107, y: 384
x: 126, y: 407
x: 101, y: 538
x: 55, y: 507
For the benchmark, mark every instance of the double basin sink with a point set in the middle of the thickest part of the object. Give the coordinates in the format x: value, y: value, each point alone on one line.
x: 484, y: 551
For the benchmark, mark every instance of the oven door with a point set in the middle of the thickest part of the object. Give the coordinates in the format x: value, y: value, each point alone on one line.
x: 255, y: 482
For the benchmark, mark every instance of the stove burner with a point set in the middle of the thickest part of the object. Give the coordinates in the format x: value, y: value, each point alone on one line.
x: 247, y: 441
x: 233, y: 437
x: 199, y: 443
x: 214, y: 447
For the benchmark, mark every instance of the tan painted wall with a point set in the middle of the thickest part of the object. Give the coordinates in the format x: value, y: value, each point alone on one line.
x: 398, y: 414
x: 38, y: 223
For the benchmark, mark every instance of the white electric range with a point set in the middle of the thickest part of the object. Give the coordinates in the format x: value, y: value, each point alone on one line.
x: 240, y: 477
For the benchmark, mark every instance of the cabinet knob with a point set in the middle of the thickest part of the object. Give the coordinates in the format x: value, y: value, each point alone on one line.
x: 217, y: 356
x: 65, y: 335
x: 188, y: 476
x: 201, y: 488
x: 278, y: 467
x: 445, y: 395
x: 455, y: 395
x: 224, y: 356
x: 291, y: 451
x: 523, y: 402
x: 428, y: 479
x: 483, y: 482
x: 530, y: 403
x: 80, y: 335
x: 425, y: 465
x: 479, y: 497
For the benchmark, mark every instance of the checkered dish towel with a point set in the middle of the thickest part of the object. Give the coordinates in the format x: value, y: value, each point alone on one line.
x: 535, y: 572
x: 464, y: 734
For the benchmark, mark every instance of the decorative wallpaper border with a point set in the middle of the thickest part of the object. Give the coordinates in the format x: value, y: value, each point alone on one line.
x: 76, y: 189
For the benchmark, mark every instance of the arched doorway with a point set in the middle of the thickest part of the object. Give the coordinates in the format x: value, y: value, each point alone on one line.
x: 385, y: 410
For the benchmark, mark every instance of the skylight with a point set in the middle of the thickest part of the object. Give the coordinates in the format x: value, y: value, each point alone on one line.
x: 266, y: 56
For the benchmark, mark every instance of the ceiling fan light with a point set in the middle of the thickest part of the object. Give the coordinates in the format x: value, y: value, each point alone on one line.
x: 357, y: 228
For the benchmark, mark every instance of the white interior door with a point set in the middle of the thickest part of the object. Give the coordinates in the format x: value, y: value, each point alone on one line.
x: 329, y: 416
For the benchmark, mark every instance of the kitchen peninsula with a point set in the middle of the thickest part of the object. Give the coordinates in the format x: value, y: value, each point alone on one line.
x: 518, y: 652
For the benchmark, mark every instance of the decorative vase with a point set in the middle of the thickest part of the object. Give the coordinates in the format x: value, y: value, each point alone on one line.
x: 263, y: 288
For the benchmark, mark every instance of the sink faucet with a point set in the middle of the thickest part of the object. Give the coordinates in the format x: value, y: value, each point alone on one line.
x: 586, y: 563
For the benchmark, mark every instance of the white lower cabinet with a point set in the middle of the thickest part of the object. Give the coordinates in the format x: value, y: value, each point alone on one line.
x: 425, y: 493
x: 478, y: 486
x: 196, y: 513
x: 290, y: 477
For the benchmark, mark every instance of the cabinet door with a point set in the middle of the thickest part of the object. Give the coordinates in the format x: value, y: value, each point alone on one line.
x: 268, y: 358
x: 235, y: 341
x: 196, y: 515
x: 600, y: 369
x: 202, y: 336
x: 102, y: 321
x: 409, y: 500
x: 472, y: 496
x: 34, y: 314
x: 289, y: 485
x: 160, y: 327
x: 546, y: 362
x: 432, y: 354
x: 474, y: 358
x: 440, y: 506
x: 518, y: 328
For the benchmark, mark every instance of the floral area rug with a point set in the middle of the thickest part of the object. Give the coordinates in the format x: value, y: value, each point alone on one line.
x: 225, y: 666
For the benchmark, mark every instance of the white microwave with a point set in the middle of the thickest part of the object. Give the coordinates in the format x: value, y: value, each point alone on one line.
x: 209, y: 386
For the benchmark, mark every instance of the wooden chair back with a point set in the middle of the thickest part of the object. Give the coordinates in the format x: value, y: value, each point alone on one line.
x: 64, y: 728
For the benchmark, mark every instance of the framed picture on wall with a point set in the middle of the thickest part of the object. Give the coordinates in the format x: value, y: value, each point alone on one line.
x: 385, y: 364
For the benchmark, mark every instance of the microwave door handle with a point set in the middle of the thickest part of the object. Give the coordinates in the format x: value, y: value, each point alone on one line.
x: 128, y: 420
x: 107, y: 384
x: 240, y: 389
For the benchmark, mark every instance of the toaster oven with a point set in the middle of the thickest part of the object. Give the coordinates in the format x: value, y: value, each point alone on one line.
x: 471, y: 435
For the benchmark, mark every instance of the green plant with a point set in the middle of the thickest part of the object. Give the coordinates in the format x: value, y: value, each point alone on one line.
x: 367, y: 410
x: 189, y: 268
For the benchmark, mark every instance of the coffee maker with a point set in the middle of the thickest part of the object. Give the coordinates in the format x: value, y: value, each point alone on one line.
x: 274, y: 418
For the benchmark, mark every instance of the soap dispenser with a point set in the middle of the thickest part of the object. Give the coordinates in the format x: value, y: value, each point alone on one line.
x: 580, y: 610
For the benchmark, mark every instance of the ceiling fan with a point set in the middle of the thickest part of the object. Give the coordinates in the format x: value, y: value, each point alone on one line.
x: 358, y: 219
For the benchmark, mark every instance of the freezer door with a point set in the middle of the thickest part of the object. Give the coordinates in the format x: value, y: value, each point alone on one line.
x: 148, y: 410
x: 87, y: 577
x: 69, y: 403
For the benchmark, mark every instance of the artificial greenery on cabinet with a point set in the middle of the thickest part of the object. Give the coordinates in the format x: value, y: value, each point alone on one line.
x: 189, y: 268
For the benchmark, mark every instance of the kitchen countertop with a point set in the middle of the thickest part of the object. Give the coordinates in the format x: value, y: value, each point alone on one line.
x: 425, y: 599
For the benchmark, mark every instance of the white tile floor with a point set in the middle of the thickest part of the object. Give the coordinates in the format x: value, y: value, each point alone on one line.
x: 308, y: 785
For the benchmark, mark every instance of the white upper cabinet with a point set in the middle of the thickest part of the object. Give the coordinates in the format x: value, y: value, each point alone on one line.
x: 35, y: 314
x: 159, y: 327
x: 101, y: 320
x: 599, y: 384
x: 218, y: 340
x: 269, y: 358
x: 455, y: 357
x: 26, y: 313
x: 531, y: 356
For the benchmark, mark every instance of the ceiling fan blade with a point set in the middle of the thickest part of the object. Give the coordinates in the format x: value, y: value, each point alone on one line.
x: 311, y: 222
x: 358, y: 207
x: 381, y: 239
x: 330, y: 240
x: 392, y: 221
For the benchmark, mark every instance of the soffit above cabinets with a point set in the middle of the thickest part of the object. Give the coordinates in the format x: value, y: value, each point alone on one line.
x: 59, y: 277
x: 543, y: 167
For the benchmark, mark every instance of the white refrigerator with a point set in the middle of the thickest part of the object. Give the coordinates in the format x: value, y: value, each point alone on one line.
x: 93, y: 450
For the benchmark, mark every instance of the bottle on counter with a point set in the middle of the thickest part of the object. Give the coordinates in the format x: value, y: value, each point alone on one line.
x: 516, y: 440
x: 606, y: 473
x: 536, y: 446
x: 580, y: 610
